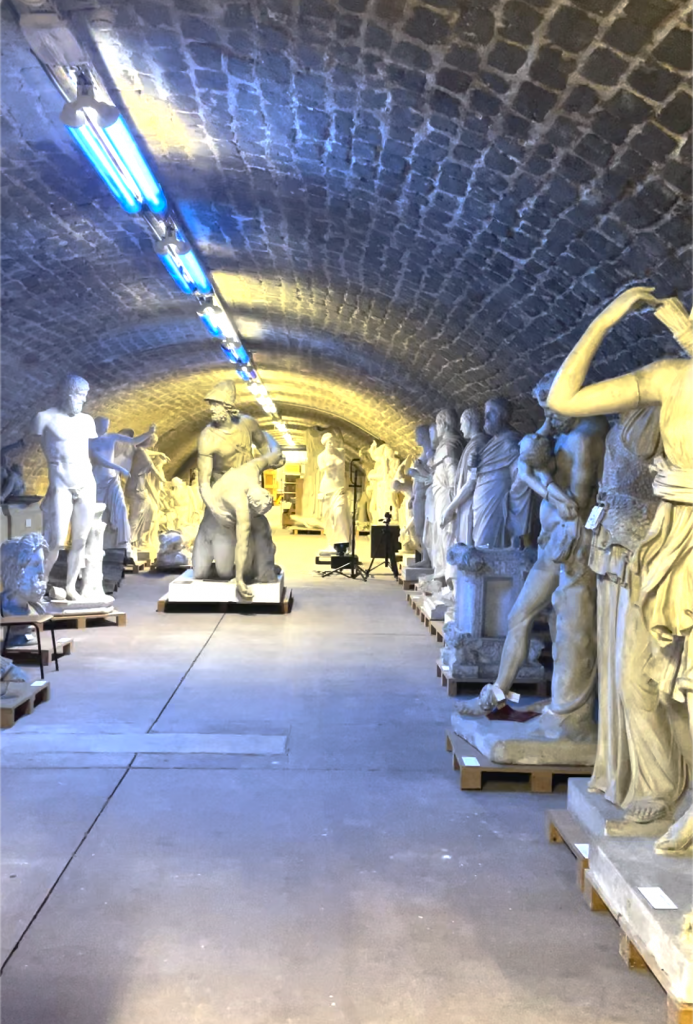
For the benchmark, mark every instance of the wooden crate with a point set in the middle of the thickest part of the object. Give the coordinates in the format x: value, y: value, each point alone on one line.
x: 540, y: 688
x: 14, y: 708
x: 541, y: 777
x: 90, y: 619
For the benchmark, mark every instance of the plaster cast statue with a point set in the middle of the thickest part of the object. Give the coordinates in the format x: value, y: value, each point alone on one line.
x: 240, y: 496
x: 92, y: 592
x: 143, y: 492
x: 68, y: 507
x: 24, y: 581
x: 422, y: 477
x: 366, y: 464
x: 12, y: 482
x: 560, y: 575
x: 172, y: 553
x: 661, y: 570
x: 380, y: 478
x: 444, y: 461
x: 639, y: 766
x: 196, y: 502
x: 107, y: 471
x: 310, y: 509
x: 227, y: 443
x: 501, y: 503
x: 179, y: 508
x: 404, y: 485
x: 459, y: 511
x: 332, y: 494
x: 13, y: 681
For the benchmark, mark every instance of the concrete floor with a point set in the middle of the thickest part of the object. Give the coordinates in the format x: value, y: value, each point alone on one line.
x: 157, y: 870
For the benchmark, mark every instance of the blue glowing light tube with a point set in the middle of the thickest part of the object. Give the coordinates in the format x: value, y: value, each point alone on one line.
x: 88, y: 141
x: 246, y: 373
x: 237, y: 354
x: 194, y: 270
x: 176, y: 272
x: 128, y: 151
x: 207, y: 319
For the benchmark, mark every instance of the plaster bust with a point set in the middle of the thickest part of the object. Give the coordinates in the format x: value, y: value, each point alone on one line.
x: 23, y: 574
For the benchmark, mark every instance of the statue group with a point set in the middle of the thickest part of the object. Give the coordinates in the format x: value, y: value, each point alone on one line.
x: 598, y: 514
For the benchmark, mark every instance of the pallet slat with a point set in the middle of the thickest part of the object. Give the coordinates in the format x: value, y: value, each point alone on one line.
x: 541, y: 777
x: 14, y: 708
x: 90, y: 619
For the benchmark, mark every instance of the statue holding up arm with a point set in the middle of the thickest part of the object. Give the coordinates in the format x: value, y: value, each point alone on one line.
x: 143, y: 491
x: 661, y: 570
x: 102, y: 452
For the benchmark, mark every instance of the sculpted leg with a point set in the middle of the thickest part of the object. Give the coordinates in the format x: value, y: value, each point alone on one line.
x: 264, y: 571
x: 224, y: 551
x: 203, y: 555
x: 81, y: 523
x: 678, y: 841
x: 57, y: 512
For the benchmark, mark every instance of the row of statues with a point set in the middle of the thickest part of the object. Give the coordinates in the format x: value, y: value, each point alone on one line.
x: 601, y: 511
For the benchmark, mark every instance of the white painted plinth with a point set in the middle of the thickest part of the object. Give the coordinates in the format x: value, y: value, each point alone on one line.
x: 187, y: 590
x: 413, y: 573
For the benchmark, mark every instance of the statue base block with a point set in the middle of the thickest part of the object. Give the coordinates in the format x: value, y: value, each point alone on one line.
x: 519, y: 743
x: 69, y: 609
x: 433, y: 608
x: 602, y: 818
x: 187, y: 590
x: 413, y: 573
x: 617, y: 869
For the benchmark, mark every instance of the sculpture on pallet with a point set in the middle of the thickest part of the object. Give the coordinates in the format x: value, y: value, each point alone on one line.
x: 68, y: 507
x: 172, y: 553
x: 107, y: 473
x: 501, y: 503
x: 92, y: 594
x: 404, y: 485
x: 381, y: 478
x: 143, y: 492
x: 310, y: 508
x: 363, y: 514
x: 446, y: 456
x: 12, y: 482
x: 225, y: 444
x: 332, y: 494
x: 179, y: 510
x: 639, y: 766
x: 661, y: 570
x: 24, y: 582
x: 459, y: 511
x: 565, y: 475
x: 422, y: 478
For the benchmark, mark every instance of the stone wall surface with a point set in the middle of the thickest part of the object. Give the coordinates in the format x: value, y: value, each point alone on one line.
x: 405, y: 204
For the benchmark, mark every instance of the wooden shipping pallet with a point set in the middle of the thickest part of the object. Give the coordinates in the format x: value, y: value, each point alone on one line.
x: 14, y: 708
x: 89, y: 619
x: 296, y: 530
x: 634, y: 957
x: 541, y: 777
x: 228, y: 607
x: 561, y: 827
x: 539, y: 688
x: 28, y: 654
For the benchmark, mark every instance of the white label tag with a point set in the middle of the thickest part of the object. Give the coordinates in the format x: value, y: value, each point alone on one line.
x: 583, y: 849
x: 657, y: 898
x: 27, y: 522
x: 511, y: 695
x: 470, y: 762
x: 595, y: 517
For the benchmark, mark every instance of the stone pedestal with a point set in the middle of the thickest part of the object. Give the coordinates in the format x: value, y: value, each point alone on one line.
x: 602, y: 818
x: 187, y: 590
x: 487, y: 584
x: 522, y: 742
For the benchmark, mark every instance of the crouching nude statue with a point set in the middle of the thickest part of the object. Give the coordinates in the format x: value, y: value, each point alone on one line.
x: 226, y: 444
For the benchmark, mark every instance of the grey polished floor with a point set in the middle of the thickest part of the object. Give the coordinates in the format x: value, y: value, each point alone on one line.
x: 252, y: 819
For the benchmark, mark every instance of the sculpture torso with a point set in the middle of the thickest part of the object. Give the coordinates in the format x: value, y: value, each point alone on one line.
x: 65, y: 442
x: 229, y: 447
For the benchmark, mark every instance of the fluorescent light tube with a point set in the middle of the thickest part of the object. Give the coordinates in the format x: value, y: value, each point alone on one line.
x: 175, y: 271
x: 129, y: 153
x: 193, y: 268
x: 92, y: 147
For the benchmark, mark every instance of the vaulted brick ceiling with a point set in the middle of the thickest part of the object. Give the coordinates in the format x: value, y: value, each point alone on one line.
x: 404, y: 204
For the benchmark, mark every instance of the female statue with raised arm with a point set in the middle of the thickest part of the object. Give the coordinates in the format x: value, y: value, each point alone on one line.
x: 661, y: 571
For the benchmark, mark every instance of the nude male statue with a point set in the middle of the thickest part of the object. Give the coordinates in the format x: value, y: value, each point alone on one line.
x: 560, y: 574
x: 227, y: 443
x: 69, y: 505
x: 102, y: 451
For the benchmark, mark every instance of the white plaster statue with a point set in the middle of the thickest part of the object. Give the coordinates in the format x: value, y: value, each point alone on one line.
x: 566, y: 480
x: 310, y: 509
x: 23, y: 581
x: 639, y: 766
x: 380, y: 478
x: 143, y: 492
x: 363, y: 511
x: 196, y: 502
x: 92, y: 592
x: 12, y: 482
x: 225, y: 444
x: 107, y: 473
x: 661, y: 570
x: 422, y: 477
x: 180, y: 509
x: 459, y: 511
x: 332, y: 494
x: 13, y: 681
x: 444, y: 461
x: 501, y: 504
x: 68, y: 507
x: 404, y: 485
x: 172, y: 553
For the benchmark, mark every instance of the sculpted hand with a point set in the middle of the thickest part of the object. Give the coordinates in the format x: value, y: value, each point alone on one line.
x: 124, y: 472
x: 567, y: 510
x: 630, y: 300
x: 447, y: 518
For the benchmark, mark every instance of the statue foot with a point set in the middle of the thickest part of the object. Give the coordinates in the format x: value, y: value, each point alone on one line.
x: 478, y: 706
x: 678, y: 840
x: 71, y: 594
x: 646, y: 810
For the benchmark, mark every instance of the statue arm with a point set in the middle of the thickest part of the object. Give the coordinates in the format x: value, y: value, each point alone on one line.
x: 135, y: 440
x: 100, y: 460
x: 568, y: 396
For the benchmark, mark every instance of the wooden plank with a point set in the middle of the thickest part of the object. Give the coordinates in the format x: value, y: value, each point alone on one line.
x: 630, y: 955
x: 679, y: 1013
x: 14, y: 708
x: 541, y: 778
x: 592, y: 896
x: 455, y: 686
x: 561, y: 827
x: 88, y: 619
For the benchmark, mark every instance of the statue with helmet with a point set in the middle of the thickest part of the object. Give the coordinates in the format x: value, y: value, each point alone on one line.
x: 225, y: 444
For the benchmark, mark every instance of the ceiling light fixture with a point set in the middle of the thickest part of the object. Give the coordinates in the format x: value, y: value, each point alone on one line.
x: 181, y: 262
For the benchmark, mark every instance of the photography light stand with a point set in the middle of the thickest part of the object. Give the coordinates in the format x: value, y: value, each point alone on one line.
x: 389, y: 559
x: 352, y: 570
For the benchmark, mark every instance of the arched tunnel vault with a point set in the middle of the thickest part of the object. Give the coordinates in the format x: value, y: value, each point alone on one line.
x: 405, y: 204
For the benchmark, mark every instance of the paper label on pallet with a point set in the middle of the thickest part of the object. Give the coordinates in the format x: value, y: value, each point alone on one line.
x: 470, y: 762
x: 657, y: 898
x: 39, y: 682
x: 513, y: 696
x: 583, y: 849
x: 27, y: 522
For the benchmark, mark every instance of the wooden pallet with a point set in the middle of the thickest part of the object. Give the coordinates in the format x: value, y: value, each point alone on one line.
x: 539, y: 688
x: 90, y: 619
x: 229, y: 607
x: 296, y: 530
x: 634, y: 957
x: 541, y: 777
x: 14, y: 708
x: 28, y: 654
x: 561, y: 827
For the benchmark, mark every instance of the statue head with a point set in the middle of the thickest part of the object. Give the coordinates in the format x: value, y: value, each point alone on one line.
x: 102, y: 425
x: 75, y: 391
x: 127, y: 431
x: 222, y: 402
x: 673, y: 313
x: 151, y: 442
x: 497, y: 413
x: 446, y: 422
x: 471, y: 422
x: 328, y: 441
x: 557, y: 423
x: 23, y: 568
x: 536, y: 451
